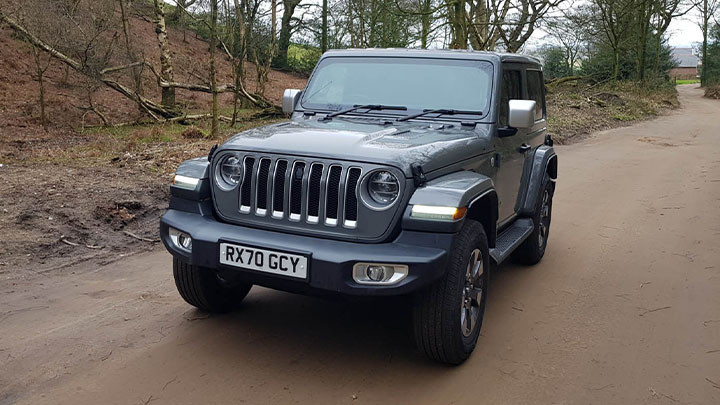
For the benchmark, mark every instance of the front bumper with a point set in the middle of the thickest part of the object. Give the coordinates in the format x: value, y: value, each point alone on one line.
x: 330, y: 261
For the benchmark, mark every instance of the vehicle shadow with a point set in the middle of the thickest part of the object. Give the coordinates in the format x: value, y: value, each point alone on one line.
x: 273, y: 326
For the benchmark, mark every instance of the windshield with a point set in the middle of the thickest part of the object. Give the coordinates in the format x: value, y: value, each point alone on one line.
x: 416, y: 83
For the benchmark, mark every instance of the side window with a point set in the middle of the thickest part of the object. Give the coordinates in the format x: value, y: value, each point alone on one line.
x: 510, y: 91
x: 535, y: 92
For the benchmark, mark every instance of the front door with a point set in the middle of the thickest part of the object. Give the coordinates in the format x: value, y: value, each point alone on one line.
x: 510, y: 157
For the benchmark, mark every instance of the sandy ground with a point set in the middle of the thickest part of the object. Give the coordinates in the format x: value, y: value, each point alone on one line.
x: 623, y: 309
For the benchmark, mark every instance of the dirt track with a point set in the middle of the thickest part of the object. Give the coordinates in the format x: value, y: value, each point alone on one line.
x: 625, y: 308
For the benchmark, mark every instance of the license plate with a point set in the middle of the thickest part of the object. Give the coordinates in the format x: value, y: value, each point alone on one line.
x: 267, y: 261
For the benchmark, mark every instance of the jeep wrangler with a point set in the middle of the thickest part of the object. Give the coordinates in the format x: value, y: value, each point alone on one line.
x: 400, y: 172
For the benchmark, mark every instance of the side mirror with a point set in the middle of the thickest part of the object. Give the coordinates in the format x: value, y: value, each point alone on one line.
x: 290, y: 99
x: 522, y: 114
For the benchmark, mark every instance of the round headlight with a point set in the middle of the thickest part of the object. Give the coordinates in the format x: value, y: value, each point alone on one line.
x: 383, y: 187
x: 230, y: 171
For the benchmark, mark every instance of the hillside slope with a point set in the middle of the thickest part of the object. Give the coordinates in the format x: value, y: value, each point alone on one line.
x: 19, y: 89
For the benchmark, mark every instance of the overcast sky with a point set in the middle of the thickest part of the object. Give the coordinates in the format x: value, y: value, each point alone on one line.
x: 684, y: 31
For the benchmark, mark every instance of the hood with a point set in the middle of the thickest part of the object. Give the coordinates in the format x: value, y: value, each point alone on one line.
x: 430, y: 145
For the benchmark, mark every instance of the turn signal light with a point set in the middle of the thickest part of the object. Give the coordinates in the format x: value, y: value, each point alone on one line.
x: 439, y: 213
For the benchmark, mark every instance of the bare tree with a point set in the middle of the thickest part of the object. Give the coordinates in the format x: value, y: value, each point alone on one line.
x: 85, y: 45
x: 213, y: 72
x: 569, y: 32
x: 166, y: 66
x: 487, y: 24
x: 263, y: 65
x: 132, y: 56
x: 286, y: 27
x: 178, y: 16
x: 615, y: 23
x: 42, y: 63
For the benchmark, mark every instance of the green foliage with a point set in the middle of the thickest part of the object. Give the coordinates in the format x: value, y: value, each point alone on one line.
x: 712, y: 67
x: 555, y: 63
x: 687, y: 81
x: 599, y: 65
x: 302, y: 58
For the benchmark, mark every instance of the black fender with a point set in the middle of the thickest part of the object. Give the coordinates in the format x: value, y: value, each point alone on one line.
x: 544, y: 163
x: 459, y: 189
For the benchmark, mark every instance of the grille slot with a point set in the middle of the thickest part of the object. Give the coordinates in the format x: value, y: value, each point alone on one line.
x: 351, y: 202
x: 262, y: 186
x: 279, y: 188
x: 332, y: 195
x: 314, y: 187
x: 246, y: 188
x: 296, y: 183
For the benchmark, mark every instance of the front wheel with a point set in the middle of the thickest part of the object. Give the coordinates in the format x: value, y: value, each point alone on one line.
x: 203, y: 288
x: 447, y: 316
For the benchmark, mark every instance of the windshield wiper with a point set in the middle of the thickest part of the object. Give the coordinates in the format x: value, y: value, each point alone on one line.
x: 369, y: 107
x: 441, y: 111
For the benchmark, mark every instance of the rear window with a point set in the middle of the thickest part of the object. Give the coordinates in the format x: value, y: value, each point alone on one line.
x: 535, y: 92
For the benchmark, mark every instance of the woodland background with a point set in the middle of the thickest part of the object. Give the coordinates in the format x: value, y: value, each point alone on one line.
x: 101, y: 99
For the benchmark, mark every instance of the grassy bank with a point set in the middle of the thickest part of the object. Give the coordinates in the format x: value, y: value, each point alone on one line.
x: 578, y: 109
x: 713, y: 92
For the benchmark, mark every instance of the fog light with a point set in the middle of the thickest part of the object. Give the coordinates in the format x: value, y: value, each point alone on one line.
x: 180, y: 239
x: 379, y: 273
x: 185, y: 241
x: 375, y: 273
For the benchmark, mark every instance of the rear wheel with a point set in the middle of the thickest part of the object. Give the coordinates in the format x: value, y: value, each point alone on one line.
x: 532, y: 249
x: 448, y: 315
x: 201, y: 287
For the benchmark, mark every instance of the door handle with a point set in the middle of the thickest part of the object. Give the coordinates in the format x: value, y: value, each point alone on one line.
x: 524, y: 148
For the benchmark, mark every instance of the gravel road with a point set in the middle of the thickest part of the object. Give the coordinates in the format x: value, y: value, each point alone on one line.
x: 625, y: 308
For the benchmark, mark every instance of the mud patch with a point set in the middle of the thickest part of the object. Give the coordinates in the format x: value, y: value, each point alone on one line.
x: 657, y: 142
x: 52, y: 215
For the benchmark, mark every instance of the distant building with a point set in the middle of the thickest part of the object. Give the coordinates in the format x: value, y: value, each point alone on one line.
x: 686, y: 64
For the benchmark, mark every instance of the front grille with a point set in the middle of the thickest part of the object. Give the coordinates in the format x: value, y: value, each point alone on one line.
x: 299, y: 190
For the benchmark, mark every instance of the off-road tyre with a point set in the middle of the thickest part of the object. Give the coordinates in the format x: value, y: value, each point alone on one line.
x: 437, y: 319
x: 202, y: 288
x: 532, y: 250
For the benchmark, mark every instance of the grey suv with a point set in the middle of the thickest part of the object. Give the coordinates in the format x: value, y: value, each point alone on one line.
x: 400, y: 172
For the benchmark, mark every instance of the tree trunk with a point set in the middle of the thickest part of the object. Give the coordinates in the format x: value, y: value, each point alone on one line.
x: 239, y: 51
x: 425, y: 23
x: 136, y: 71
x: 166, y: 67
x: 213, y: 78
x: 324, y: 34
x: 285, y: 30
x: 458, y: 24
x: 705, y: 23
x: 644, y: 26
x: 616, y: 63
x: 40, y: 76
